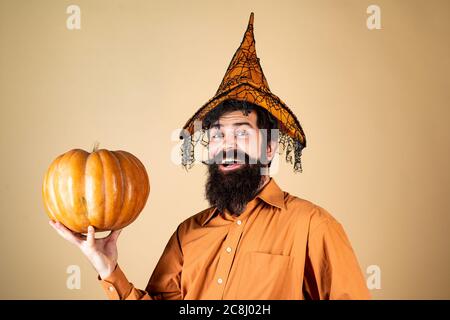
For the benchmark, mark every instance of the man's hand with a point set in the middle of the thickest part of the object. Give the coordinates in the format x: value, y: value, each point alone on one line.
x: 102, y: 253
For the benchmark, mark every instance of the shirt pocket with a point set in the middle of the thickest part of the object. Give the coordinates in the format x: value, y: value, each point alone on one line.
x: 265, y: 276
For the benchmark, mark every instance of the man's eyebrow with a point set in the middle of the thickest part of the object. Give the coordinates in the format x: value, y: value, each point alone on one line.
x: 237, y: 124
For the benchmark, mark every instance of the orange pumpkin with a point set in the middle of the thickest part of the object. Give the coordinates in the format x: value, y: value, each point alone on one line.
x: 105, y: 189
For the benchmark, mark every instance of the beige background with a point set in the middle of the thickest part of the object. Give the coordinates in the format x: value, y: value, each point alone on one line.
x: 374, y: 106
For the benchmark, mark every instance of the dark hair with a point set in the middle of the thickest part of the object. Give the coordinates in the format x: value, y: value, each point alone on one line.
x: 264, y: 120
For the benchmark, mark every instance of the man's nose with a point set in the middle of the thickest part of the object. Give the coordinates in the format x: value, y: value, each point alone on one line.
x: 229, y: 141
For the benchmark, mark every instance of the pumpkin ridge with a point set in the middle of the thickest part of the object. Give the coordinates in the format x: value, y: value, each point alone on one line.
x: 130, y: 187
x: 80, y: 199
x: 59, y: 213
x: 122, y: 192
x: 71, y: 208
x: 86, y: 211
x: 66, y: 219
x: 49, y: 196
x: 143, y: 182
x: 96, y: 193
x: 103, y: 189
x: 111, y: 177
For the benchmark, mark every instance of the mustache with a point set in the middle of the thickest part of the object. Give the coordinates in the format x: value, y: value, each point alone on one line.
x: 234, y: 155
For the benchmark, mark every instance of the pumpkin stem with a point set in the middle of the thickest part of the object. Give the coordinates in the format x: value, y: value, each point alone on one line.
x: 96, y: 144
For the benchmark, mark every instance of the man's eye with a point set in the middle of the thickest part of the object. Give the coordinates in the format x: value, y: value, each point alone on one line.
x: 217, y: 135
x: 241, y: 133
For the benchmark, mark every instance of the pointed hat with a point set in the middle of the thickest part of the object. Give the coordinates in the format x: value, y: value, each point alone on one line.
x: 244, y: 80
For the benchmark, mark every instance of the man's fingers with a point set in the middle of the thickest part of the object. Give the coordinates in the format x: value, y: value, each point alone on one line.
x: 65, y: 233
x: 91, y: 236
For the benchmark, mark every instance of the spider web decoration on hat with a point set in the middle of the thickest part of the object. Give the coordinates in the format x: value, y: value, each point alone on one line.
x: 244, y: 81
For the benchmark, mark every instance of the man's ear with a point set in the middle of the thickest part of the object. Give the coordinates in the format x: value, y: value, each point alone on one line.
x: 272, y: 147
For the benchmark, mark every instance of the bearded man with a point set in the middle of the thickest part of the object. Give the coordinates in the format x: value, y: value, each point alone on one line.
x: 255, y: 241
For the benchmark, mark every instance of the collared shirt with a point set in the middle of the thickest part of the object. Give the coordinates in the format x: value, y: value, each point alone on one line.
x: 280, y: 247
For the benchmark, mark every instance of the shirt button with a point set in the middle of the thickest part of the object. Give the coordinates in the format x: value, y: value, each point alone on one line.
x: 239, y: 222
x: 111, y: 288
x: 229, y: 249
x: 219, y: 281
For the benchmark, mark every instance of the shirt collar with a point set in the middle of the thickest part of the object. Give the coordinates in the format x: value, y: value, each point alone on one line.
x: 270, y: 194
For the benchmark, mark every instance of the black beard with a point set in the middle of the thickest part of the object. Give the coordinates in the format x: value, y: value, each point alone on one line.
x: 234, y: 189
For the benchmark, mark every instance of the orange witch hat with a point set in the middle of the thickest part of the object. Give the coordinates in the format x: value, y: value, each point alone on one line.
x: 244, y: 80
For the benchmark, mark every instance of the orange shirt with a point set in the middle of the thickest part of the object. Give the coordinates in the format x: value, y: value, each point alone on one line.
x: 280, y: 247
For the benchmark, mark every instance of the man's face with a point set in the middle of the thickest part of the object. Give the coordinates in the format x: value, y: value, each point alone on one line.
x: 235, y: 166
x: 233, y: 133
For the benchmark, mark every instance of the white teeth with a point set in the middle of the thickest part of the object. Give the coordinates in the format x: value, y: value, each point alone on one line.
x: 226, y: 163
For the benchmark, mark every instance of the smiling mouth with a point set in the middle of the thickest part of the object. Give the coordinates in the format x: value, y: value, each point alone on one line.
x: 230, y: 165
